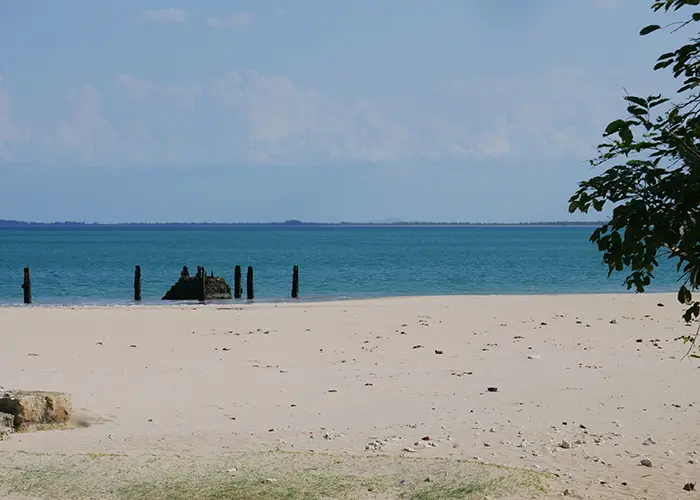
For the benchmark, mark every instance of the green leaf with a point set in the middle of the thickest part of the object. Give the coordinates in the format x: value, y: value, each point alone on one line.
x: 662, y: 64
x: 649, y: 29
x: 615, y: 127
x: 684, y: 295
x: 686, y: 87
x: 692, y: 312
x: 637, y: 100
x: 626, y: 134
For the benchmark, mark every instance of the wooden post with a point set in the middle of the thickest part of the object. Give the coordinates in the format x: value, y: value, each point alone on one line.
x: 27, y: 286
x: 137, y: 284
x: 249, y: 284
x: 204, y: 284
x: 237, y: 283
x: 295, y: 282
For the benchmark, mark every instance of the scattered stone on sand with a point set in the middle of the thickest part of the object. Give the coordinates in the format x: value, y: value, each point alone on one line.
x: 613, y: 322
x: 492, y: 389
x: 7, y: 425
x: 566, y: 445
x: 36, y: 407
x: 689, y: 487
x: 375, y: 445
x: 649, y: 441
x: 646, y: 463
x: 438, y: 351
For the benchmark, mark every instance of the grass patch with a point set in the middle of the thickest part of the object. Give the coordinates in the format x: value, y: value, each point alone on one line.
x: 257, y: 476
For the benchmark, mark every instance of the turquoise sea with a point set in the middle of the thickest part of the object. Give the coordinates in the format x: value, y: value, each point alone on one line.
x: 95, y: 265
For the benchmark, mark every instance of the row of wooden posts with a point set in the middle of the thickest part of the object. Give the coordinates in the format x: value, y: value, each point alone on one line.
x: 237, y: 284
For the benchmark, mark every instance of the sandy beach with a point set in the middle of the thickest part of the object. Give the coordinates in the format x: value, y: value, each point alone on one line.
x: 579, y: 387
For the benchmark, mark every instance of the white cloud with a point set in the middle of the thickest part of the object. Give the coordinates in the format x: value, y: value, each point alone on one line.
x: 168, y: 16
x: 135, y: 87
x: 11, y: 133
x: 247, y: 118
x: 85, y: 134
x: 233, y: 21
x: 553, y: 114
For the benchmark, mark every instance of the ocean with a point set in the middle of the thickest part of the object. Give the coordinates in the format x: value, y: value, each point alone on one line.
x: 95, y: 265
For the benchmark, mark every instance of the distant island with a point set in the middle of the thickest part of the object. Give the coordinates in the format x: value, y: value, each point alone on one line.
x: 293, y: 223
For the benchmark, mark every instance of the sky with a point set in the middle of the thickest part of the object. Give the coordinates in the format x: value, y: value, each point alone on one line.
x: 319, y: 110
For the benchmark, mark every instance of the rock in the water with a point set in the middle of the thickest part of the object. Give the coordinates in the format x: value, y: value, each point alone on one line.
x: 36, y: 407
x: 190, y: 288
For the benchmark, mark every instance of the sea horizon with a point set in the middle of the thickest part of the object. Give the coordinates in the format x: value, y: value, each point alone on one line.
x: 4, y: 223
x: 94, y: 265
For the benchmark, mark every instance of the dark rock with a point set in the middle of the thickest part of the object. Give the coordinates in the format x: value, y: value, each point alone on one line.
x: 689, y: 487
x: 190, y: 288
x: 492, y: 389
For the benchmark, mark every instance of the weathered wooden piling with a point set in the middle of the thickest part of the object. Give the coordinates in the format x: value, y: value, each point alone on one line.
x: 27, y: 286
x: 137, y: 284
x: 295, y: 282
x: 237, y: 283
x: 249, y: 284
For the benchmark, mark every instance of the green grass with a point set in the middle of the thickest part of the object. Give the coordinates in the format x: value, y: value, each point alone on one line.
x: 257, y: 476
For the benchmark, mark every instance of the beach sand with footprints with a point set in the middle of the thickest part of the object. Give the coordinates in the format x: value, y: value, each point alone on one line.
x: 454, y: 397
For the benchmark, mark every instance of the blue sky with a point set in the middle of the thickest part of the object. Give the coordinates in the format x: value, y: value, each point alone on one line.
x: 319, y: 110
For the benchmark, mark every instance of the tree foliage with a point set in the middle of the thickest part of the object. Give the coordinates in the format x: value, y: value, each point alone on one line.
x: 654, y: 180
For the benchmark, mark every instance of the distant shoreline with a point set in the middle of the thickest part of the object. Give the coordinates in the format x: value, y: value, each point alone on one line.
x: 288, y: 224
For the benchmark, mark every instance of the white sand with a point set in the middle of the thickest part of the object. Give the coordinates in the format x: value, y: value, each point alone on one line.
x: 206, y: 380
